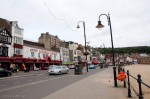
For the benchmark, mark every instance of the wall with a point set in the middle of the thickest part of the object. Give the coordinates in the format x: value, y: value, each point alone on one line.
x: 38, y: 53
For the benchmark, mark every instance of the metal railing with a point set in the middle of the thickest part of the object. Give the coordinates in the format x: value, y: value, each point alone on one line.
x: 139, y: 80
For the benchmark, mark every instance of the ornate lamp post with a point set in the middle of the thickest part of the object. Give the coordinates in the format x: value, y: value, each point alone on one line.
x: 101, y: 26
x: 85, y: 53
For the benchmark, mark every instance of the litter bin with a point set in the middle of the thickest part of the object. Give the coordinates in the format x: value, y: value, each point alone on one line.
x: 101, y: 65
x: 78, y: 69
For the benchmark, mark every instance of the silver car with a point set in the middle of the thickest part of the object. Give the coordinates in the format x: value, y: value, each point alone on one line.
x: 58, y: 70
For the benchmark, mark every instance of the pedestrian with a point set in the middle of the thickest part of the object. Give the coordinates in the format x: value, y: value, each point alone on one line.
x: 12, y: 67
x: 17, y: 68
x: 24, y: 67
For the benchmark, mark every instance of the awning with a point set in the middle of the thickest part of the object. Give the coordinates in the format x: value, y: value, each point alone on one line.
x: 19, y: 60
x: 30, y: 60
x: 6, y: 59
x: 47, y: 59
x: 41, y: 60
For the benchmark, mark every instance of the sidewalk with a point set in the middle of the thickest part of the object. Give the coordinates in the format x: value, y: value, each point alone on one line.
x: 97, y: 86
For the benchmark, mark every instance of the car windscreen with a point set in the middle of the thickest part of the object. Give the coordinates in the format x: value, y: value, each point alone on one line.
x: 55, y: 67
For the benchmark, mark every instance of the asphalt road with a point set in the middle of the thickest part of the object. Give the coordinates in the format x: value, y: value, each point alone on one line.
x: 40, y: 85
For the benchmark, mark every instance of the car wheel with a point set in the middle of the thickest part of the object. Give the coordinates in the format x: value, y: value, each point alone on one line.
x: 8, y: 74
x: 59, y: 73
x: 67, y: 72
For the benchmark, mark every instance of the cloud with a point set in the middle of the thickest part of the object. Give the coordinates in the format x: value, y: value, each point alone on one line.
x: 129, y: 19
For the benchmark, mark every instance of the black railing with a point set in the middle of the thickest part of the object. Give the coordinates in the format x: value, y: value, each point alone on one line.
x: 139, y: 80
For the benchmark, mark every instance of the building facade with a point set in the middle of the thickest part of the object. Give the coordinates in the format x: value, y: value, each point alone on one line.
x: 37, y: 50
x: 16, y: 49
x: 64, y: 53
x: 5, y: 42
x: 50, y: 42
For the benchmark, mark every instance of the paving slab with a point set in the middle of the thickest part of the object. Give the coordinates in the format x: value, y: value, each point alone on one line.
x: 97, y: 86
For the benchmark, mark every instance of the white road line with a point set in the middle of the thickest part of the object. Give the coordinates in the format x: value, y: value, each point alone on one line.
x: 33, y: 83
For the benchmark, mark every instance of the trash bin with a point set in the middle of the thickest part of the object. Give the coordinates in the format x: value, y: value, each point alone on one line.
x: 101, y: 65
x: 78, y: 69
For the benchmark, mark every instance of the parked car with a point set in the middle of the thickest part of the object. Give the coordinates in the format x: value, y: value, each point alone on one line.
x: 92, y: 66
x: 71, y: 66
x: 5, y: 73
x: 58, y: 70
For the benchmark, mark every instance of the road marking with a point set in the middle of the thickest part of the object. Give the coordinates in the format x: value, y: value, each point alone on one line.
x: 33, y: 83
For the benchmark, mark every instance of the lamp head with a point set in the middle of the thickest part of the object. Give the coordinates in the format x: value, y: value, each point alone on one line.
x: 78, y: 26
x: 99, y: 25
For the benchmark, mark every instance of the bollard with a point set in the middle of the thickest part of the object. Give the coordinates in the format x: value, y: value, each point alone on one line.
x: 115, y: 78
x: 124, y: 82
x: 129, y: 90
x: 140, y: 87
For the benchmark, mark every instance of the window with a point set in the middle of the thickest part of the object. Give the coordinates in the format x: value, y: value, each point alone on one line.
x: 18, y: 31
x: 18, y: 40
x: 1, y: 51
x: 5, y: 37
x: 18, y: 51
x: 54, y: 57
x: 32, y: 54
x: 43, y: 55
x: 38, y: 55
x: 75, y: 52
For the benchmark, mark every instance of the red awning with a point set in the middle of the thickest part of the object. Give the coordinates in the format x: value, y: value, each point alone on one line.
x: 95, y: 62
x: 19, y: 60
x: 30, y: 60
x: 40, y: 60
x: 47, y: 59
x: 6, y: 59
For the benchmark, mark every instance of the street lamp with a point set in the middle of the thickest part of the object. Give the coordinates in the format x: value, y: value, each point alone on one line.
x: 85, y: 53
x: 101, y: 26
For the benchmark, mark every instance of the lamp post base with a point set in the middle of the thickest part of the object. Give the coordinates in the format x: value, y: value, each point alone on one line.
x: 115, y: 79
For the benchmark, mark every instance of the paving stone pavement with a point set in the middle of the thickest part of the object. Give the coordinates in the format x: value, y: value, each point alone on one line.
x: 97, y: 86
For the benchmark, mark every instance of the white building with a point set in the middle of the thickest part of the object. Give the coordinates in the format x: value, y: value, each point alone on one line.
x: 17, y: 41
x: 38, y: 52
x: 64, y: 53
x: 16, y: 47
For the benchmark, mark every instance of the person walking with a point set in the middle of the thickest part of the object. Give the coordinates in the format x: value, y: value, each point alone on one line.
x: 23, y: 67
x: 12, y: 67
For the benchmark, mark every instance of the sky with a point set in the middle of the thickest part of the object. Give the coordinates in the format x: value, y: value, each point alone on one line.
x: 130, y: 20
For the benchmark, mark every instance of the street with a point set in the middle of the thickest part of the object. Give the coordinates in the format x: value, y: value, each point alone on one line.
x: 40, y: 85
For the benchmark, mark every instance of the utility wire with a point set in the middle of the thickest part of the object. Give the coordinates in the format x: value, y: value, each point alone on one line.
x: 51, y: 13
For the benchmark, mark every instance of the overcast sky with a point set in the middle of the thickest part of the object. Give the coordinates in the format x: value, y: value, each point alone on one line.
x: 130, y: 20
